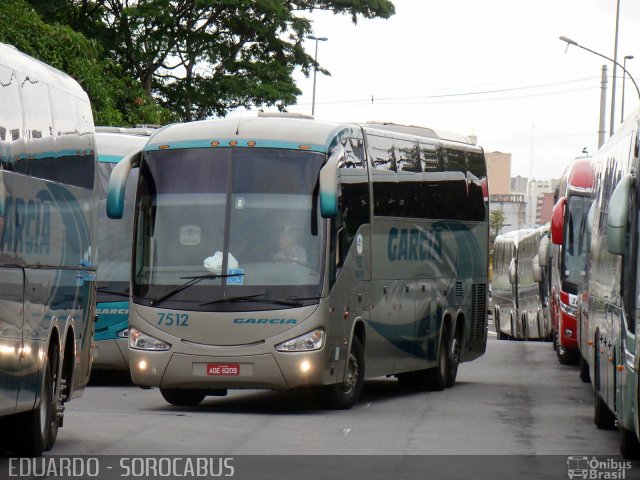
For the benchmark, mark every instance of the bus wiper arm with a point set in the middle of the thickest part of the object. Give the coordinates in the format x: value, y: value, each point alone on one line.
x: 192, y: 281
x: 113, y: 292
x: 255, y: 298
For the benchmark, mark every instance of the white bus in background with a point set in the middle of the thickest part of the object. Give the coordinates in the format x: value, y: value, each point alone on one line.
x: 114, y: 246
x: 48, y: 222
x: 516, y: 289
x: 287, y: 252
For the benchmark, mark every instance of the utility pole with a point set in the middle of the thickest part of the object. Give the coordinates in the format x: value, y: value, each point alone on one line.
x: 603, y: 106
x: 613, y: 81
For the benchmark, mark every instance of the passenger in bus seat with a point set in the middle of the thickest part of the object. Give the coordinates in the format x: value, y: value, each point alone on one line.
x: 288, y: 251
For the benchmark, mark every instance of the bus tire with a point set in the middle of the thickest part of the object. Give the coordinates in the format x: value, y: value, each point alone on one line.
x: 499, y: 334
x: 35, y: 427
x: 584, y: 371
x: 454, y: 361
x: 629, y: 444
x: 602, y: 416
x: 342, y: 396
x: 566, y: 357
x: 182, y: 397
x: 436, y: 378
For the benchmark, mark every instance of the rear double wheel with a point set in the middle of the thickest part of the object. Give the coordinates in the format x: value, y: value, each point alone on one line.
x: 438, y: 377
x: 38, y: 429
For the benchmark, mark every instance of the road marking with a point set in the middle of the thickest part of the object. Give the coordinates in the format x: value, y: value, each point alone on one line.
x: 345, y: 431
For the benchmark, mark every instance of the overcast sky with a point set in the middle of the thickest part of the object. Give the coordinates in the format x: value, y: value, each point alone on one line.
x: 427, y: 63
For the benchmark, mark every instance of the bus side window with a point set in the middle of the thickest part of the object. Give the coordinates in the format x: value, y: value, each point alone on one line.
x: 11, y: 126
x: 385, y: 183
x: 409, y: 179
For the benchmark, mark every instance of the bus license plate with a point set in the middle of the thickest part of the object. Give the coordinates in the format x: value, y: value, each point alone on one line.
x: 217, y: 369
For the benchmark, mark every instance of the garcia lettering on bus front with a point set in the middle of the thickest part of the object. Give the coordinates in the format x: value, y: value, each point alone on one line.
x: 414, y: 244
x: 266, y: 321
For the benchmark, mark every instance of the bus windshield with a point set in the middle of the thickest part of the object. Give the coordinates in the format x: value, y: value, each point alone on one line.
x: 247, y: 216
x: 114, y: 240
x: 574, y: 250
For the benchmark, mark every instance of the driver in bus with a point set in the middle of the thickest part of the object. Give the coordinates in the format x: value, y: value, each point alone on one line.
x: 288, y: 251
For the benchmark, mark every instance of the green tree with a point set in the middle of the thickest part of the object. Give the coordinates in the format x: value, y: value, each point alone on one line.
x: 115, y: 98
x: 496, y: 221
x: 205, y: 57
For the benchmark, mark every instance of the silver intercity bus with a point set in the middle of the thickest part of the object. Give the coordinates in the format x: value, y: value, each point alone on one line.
x: 278, y: 252
x: 516, y: 289
x: 48, y: 221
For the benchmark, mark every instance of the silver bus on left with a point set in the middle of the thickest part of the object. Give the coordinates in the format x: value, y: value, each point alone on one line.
x: 48, y: 223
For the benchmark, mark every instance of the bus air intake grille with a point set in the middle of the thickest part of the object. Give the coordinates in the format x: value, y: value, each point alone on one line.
x: 478, y: 311
x: 459, y: 290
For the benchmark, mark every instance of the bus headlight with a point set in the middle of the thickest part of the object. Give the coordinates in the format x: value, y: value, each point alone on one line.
x: 304, y: 343
x: 568, y: 309
x: 142, y: 341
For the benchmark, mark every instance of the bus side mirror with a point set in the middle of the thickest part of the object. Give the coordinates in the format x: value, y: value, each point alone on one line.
x: 557, y: 221
x: 618, y: 215
x: 591, y: 215
x: 537, y: 271
x: 118, y: 183
x: 543, y: 251
x: 513, y: 276
x: 329, y: 183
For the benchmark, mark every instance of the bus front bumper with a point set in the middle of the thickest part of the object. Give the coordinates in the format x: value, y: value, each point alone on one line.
x: 280, y: 371
x: 111, y: 354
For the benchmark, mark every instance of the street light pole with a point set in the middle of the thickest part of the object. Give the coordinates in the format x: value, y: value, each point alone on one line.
x: 624, y: 64
x: 613, y: 80
x: 315, y: 69
x: 573, y: 42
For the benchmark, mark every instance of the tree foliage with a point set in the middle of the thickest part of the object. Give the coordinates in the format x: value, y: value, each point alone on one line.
x: 115, y: 98
x: 200, y: 58
x: 496, y: 222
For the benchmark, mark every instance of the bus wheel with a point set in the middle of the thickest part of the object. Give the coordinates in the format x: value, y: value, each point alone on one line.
x: 566, y: 357
x: 602, y: 416
x: 437, y: 378
x: 584, y: 370
x: 454, y: 361
x: 629, y: 445
x: 182, y: 397
x: 35, y: 427
x: 342, y: 396
x: 499, y: 334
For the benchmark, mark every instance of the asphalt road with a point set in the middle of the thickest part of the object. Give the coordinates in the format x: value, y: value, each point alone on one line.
x: 516, y: 399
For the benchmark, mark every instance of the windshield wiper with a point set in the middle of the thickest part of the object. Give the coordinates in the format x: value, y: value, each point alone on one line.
x: 113, y: 292
x: 192, y: 281
x: 255, y: 298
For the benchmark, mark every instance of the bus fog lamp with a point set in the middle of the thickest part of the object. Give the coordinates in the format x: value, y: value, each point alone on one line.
x: 568, y: 332
x: 142, y: 341
x: 305, y: 366
x: 304, y: 343
x: 123, y: 333
x: 142, y: 364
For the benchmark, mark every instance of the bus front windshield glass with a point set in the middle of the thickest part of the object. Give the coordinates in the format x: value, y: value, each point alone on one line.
x: 241, y: 225
x: 114, y: 240
x: 574, y: 249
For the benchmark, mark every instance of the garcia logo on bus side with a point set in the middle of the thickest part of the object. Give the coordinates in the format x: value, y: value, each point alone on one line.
x: 26, y: 226
x: 414, y: 244
x: 266, y: 321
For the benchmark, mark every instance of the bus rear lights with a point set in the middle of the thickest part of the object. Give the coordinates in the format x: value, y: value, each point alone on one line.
x: 305, y: 366
x: 251, y: 143
x: 304, y: 343
x: 215, y: 143
x: 123, y: 333
x: 568, y: 332
x: 142, y: 341
x: 233, y: 143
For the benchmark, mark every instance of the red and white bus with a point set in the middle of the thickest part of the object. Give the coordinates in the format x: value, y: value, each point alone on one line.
x: 569, y: 259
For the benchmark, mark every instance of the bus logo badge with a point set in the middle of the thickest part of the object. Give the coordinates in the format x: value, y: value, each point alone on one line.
x: 578, y: 467
x: 359, y: 244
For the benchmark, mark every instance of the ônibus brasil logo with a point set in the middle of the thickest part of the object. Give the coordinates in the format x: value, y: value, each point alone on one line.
x: 597, y: 468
